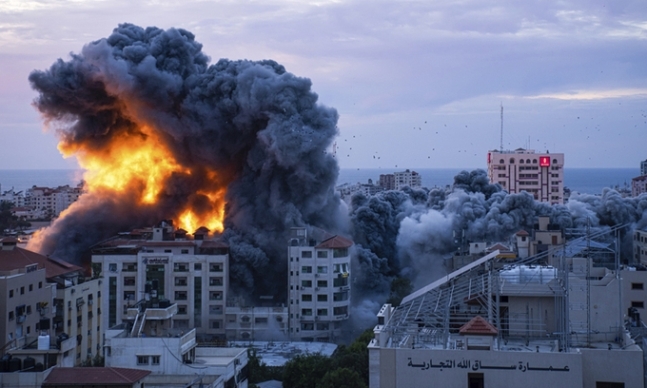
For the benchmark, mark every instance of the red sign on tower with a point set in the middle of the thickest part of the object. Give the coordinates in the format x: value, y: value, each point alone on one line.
x: 544, y: 161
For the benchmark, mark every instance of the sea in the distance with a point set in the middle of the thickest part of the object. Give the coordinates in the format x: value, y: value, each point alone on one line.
x: 583, y: 180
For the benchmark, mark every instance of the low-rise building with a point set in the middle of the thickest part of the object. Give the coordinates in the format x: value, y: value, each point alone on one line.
x: 257, y: 323
x: 148, y: 340
x: 482, y: 326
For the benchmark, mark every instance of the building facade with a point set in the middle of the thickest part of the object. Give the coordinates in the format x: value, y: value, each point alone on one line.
x: 319, y: 284
x: 52, y: 309
x: 643, y: 167
x: 407, y: 178
x: 639, y: 185
x: 165, y: 265
x: 52, y: 201
x: 540, y: 174
x: 640, y: 246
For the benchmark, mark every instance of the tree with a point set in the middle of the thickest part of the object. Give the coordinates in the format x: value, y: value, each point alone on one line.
x: 304, y: 371
x: 341, y: 378
x: 258, y: 371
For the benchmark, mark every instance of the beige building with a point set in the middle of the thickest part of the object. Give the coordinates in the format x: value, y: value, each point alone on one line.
x: 52, y: 201
x: 639, y: 185
x: 168, y: 266
x: 257, y: 323
x: 51, y: 309
x: 540, y: 174
x: 318, y: 285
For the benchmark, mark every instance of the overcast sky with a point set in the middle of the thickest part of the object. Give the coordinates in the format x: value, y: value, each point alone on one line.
x: 416, y: 84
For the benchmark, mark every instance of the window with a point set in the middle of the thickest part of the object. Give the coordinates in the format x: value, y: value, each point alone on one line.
x: 129, y: 281
x: 142, y: 360
x: 11, y: 293
x: 343, y: 310
x: 130, y: 267
x: 184, y: 251
x: 322, y: 298
x: 306, y: 298
x: 260, y: 320
x: 155, y: 360
x: 307, y: 326
x: 340, y: 252
x: 40, y: 284
x: 322, y: 254
x: 636, y: 286
x: 340, y: 296
x: 638, y: 304
x: 306, y: 254
x: 112, y: 267
x: 29, y: 309
x: 11, y: 315
x: 215, y: 324
x: 215, y: 267
x: 322, y: 269
x: 180, y: 295
x: 129, y: 295
x: 168, y: 251
x: 31, y: 287
x: 306, y: 283
x: 215, y: 281
x: 181, y: 309
x: 215, y: 295
x: 322, y: 312
x: 180, y: 267
x: 322, y: 283
x: 22, y: 290
x: 306, y: 269
x: 180, y: 281
x: 197, y: 267
x: 306, y: 312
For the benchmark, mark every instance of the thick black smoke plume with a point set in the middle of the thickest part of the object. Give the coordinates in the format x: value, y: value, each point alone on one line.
x: 257, y: 125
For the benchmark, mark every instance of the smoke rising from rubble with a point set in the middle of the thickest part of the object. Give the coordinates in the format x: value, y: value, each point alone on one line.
x: 248, y: 127
x: 427, y: 224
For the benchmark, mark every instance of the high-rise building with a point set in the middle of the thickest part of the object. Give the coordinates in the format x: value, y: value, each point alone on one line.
x: 407, y: 178
x: 319, y: 284
x: 540, y: 174
x: 643, y: 167
x: 165, y: 266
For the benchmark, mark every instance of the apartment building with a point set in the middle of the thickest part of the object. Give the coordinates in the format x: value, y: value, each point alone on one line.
x: 639, y: 185
x: 165, y: 265
x: 640, y: 246
x: 52, y: 201
x: 51, y: 308
x: 540, y: 174
x: 319, y: 284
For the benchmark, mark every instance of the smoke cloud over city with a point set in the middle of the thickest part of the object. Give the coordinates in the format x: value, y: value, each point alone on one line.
x: 238, y: 146
x: 241, y: 147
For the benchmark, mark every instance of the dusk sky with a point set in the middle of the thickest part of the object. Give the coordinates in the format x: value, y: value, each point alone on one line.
x: 416, y: 84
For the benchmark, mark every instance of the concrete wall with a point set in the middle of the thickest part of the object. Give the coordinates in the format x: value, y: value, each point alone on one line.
x: 404, y: 368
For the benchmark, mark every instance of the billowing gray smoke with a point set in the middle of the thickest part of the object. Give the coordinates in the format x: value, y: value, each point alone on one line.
x: 259, y: 127
x: 427, y: 224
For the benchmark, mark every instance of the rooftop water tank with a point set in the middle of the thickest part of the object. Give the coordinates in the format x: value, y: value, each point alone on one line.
x: 43, y: 342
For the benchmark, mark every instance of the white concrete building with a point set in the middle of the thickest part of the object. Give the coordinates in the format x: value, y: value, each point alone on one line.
x: 540, y: 174
x: 52, y: 201
x: 257, y: 323
x: 149, y: 341
x: 640, y: 246
x: 318, y: 284
x: 163, y: 264
x: 407, y: 178
x: 486, y: 327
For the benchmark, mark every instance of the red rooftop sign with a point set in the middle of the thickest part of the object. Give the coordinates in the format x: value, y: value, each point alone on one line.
x: 544, y: 161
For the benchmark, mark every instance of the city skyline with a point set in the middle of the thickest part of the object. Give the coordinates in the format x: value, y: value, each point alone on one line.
x: 416, y: 85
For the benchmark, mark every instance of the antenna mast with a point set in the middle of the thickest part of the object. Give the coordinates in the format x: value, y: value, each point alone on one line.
x: 501, y: 128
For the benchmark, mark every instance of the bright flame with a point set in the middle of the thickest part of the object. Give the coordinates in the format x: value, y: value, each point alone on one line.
x: 141, y: 161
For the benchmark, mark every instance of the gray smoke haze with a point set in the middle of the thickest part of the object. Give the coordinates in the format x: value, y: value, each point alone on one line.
x: 426, y: 224
x: 256, y: 124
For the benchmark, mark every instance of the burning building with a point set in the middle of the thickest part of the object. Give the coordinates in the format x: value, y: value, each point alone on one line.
x: 237, y: 146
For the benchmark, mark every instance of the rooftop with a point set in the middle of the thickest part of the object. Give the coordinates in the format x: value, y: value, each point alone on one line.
x: 80, y: 376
